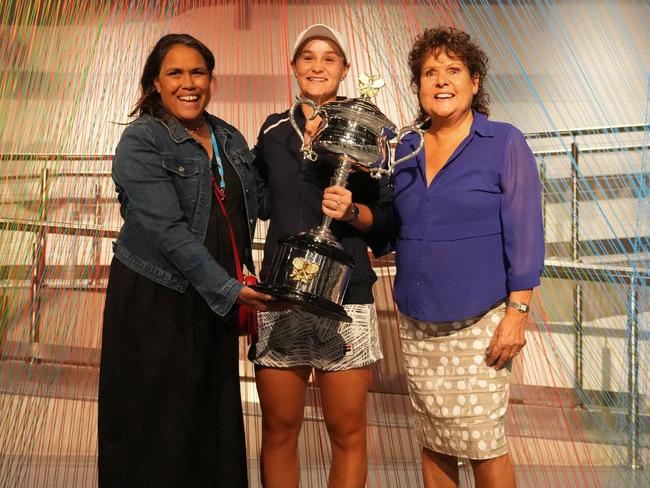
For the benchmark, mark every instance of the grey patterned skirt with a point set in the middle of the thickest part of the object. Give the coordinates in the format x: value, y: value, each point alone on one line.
x: 458, y: 400
x: 294, y: 338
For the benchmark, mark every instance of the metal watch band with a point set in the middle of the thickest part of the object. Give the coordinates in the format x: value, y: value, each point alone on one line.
x: 521, y: 307
x: 354, y: 213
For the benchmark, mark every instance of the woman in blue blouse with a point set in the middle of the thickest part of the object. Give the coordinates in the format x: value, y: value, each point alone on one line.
x: 469, y: 250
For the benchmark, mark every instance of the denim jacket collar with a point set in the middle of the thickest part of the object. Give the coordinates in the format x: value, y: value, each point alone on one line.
x: 179, y: 134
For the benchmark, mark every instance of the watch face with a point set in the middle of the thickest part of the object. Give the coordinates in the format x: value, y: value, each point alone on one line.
x: 354, y: 213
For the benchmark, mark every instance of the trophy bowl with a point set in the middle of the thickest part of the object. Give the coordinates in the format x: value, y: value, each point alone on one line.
x: 355, y: 128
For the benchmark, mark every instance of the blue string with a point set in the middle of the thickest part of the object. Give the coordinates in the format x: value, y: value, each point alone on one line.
x: 219, y: 164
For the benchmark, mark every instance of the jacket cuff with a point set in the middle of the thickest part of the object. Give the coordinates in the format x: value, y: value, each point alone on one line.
x: 227, y: 297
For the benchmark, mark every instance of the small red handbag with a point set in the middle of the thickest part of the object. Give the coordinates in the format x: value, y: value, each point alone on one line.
x: 247, y: 315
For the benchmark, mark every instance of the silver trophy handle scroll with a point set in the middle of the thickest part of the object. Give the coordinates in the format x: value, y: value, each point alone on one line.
x: 307, y: 149
x: 400, y: 135
x: 390, y: 153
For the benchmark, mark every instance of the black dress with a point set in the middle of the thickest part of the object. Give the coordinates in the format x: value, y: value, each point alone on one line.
x: 170, y: 410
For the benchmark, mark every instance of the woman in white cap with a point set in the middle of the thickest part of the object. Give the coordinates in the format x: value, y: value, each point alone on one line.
x: 293, y: 343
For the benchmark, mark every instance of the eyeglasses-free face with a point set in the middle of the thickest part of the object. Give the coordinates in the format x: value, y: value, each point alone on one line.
x: 184, y: 84
x: 446, y: 87
x: 319, y: 68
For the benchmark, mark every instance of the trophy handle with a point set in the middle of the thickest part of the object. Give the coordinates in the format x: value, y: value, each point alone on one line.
x: 384, y: 143
x: 307, y: 151
x: 400, y: 135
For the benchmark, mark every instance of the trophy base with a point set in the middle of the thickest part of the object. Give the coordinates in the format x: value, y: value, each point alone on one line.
x: 307, y: 301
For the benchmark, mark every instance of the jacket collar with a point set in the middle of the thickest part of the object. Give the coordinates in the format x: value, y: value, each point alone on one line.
x: 178, y: 133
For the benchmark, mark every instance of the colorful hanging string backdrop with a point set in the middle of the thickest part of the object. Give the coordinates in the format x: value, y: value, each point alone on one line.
x: 574, y: 76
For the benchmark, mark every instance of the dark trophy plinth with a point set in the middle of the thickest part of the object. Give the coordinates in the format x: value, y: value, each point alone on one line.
x: 310, y: 273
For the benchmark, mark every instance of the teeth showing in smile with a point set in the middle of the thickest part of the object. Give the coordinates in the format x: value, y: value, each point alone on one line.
x: 189, y: 98
x: 321, y: 80
x: 443, y: 95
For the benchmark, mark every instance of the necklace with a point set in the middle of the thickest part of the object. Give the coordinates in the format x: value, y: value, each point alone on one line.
x: 195, y: 130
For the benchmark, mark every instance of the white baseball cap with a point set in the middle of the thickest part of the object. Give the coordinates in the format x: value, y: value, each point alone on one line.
x: 321, y: 30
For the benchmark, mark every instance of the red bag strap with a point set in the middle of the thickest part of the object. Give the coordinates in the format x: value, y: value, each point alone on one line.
x: 247, y: 316
x: 233, y: 241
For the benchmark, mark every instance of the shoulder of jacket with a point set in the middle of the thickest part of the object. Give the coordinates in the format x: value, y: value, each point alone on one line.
x: 219, y: 123
x: 275, y: 120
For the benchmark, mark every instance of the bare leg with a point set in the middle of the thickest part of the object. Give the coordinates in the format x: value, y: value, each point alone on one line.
x: 496, y: 472
x: 282, y: 399
x: 344, y: 395
x: 439, y: 470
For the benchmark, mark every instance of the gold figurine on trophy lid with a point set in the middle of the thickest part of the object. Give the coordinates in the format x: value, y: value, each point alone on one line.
x: 369, y: 85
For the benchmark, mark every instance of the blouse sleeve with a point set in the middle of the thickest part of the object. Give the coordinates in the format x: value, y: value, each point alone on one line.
x: 521, y: 215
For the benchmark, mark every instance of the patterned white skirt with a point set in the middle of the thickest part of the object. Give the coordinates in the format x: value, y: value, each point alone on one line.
x: 458, y: 400
x: 294, y: 338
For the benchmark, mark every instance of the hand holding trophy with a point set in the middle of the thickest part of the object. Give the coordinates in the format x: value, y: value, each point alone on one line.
x: 311, y: 269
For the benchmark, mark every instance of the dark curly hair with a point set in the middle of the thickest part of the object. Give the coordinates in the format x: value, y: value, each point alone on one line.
x: 149, y: 101
x: 455, y: 43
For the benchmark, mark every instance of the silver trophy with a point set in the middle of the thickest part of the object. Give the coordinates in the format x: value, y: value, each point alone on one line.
x: 311, y: 269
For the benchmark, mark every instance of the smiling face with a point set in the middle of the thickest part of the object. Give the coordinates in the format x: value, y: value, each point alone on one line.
x: 447, y: 88
x: 319, y: 67
x: 184, y: 84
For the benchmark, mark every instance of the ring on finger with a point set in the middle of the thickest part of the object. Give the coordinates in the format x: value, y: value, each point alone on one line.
x: 338, y: 203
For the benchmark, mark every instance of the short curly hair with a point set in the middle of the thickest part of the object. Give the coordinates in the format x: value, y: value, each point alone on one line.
x: 453, y: 42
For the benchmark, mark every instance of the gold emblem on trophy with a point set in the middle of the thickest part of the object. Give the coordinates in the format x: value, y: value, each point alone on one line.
x: 303, y: 270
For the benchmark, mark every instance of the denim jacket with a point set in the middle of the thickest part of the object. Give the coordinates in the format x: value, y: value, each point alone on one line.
x: 163, y: 180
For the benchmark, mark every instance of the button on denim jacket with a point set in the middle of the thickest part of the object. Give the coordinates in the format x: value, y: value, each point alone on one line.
x: 163, y: 180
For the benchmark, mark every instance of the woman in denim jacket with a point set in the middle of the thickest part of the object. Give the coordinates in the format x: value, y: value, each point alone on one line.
x: 169, y: 404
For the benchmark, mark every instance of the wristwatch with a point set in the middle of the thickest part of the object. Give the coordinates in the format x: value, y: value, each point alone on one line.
x: 354, y: 213
x: 519, y: 306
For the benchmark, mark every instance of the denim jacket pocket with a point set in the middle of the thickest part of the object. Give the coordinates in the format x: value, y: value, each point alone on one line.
x: 246, y: 157
x: 181, y: 166
x: 185, y: 173
x: 241, y: 157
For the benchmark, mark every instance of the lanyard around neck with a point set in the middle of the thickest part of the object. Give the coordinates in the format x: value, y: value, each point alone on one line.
x: 217, y: 157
